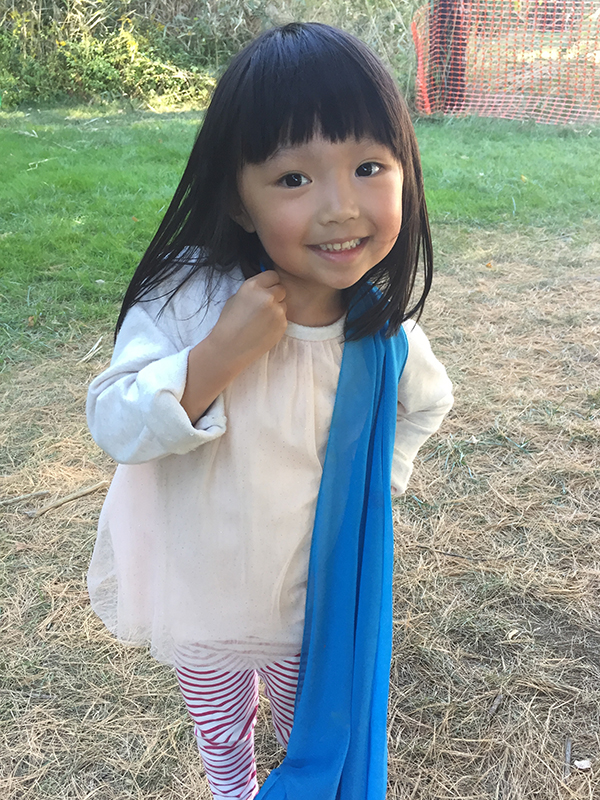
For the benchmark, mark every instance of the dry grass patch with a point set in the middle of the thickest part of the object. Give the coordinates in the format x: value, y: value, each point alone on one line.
x: 497, y: 655
x: 498, y: 632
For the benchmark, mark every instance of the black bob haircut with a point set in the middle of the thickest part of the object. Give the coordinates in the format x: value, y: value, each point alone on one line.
x: 286, y: 86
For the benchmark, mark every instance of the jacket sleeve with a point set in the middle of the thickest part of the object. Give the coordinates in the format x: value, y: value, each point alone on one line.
x: 133, y: 407
x: 424, y: 399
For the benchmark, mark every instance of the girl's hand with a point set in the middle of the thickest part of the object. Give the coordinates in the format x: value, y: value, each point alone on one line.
x: 251, y: 323
x: 253, y: 320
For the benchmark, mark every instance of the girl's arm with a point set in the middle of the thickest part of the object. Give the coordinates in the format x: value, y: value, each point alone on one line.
x: 252, y: 321
x: 161, y: 392
x: 133, y: 407
x: 424, y: 399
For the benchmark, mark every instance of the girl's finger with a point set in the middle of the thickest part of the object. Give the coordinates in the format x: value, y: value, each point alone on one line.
x: 278, y: 292
x: 266, y: 279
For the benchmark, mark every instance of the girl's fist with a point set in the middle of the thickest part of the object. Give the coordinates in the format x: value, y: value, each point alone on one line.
x: 253, y: 320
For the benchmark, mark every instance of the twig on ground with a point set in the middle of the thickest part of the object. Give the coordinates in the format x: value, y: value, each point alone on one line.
x: 67, y: 499
x: 92, y: 351
x: 10, y: 501
x: 456, y: 555
x: 496, y: 704
x: 567, y: 764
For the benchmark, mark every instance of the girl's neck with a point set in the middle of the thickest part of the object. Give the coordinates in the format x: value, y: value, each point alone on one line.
x: 314, y: 308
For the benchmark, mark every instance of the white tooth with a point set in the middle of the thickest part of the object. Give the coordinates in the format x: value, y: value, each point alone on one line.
x: 350, y: 245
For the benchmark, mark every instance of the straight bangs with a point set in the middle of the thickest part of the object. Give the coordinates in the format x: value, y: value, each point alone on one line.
x: 308, y: 81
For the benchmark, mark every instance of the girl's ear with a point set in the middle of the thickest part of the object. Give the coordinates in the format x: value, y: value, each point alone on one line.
x: 239, y: 214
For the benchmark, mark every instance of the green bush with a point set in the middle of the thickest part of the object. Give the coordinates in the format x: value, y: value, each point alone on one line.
x: 124, y: 63
x: 52, y: 50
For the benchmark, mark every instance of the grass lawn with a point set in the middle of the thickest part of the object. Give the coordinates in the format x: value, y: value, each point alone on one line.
x: 82, y: 194
x: 496, y: 667
x: 80, y: 198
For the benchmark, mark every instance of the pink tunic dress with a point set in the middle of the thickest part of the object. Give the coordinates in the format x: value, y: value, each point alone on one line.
x: 204, y: 537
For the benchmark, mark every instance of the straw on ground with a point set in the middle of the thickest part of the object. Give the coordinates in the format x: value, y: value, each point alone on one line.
x: 496, y: 660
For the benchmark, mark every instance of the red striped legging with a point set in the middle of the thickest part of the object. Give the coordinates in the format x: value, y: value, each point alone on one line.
x: 223, y: 706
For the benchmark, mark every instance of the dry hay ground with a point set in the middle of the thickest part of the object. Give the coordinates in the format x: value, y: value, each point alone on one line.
x: 497, y: 648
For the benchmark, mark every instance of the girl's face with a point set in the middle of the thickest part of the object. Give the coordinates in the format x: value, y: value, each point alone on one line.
x: 325, y: 212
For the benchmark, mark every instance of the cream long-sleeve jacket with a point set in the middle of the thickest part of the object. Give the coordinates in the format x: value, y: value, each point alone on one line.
x: 204, y: 537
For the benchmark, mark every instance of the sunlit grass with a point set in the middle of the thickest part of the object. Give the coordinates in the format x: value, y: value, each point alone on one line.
x: 83, y: 190
x: 486, y: 172
x: 79, y: 201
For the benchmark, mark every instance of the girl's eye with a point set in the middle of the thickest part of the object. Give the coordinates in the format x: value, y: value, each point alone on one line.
x: 293, y: 179
x: 368, y: 169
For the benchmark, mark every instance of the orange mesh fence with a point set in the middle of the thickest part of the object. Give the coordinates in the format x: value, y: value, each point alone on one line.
x: 516, y: 59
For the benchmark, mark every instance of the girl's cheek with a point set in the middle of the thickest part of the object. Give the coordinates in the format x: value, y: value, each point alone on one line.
x: 394, y: 209
x: 285, y: 227
x: 389, y: 208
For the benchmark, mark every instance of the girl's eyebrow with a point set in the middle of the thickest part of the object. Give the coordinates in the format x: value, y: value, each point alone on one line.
x: 283, y: 150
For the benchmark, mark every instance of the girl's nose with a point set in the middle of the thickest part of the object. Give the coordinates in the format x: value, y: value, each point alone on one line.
x: 339, y: 202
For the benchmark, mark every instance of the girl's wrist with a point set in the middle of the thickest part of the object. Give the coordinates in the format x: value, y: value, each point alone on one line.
x: 225, y: 354
x: 209, y: 372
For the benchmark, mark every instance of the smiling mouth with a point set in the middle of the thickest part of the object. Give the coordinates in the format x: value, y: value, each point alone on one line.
x: 334, y: 248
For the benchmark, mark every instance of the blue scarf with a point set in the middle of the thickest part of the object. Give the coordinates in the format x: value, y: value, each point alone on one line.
x: 338, y: 745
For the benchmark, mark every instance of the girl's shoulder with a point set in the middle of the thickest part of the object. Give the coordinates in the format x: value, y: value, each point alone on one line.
x: 415, y: 333
x: 424, y: 376
x: 195, y: 282
x: 187, y: 304
x: 419, y: 346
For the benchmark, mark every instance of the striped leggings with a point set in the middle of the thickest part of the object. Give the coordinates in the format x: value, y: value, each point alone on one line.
x: 223, y: 706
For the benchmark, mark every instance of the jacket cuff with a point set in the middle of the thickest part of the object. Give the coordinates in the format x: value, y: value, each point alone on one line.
x: 401, y: 472
x: 161, y: 385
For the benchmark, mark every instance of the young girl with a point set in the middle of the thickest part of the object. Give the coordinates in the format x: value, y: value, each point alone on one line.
x: 260, y: 367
